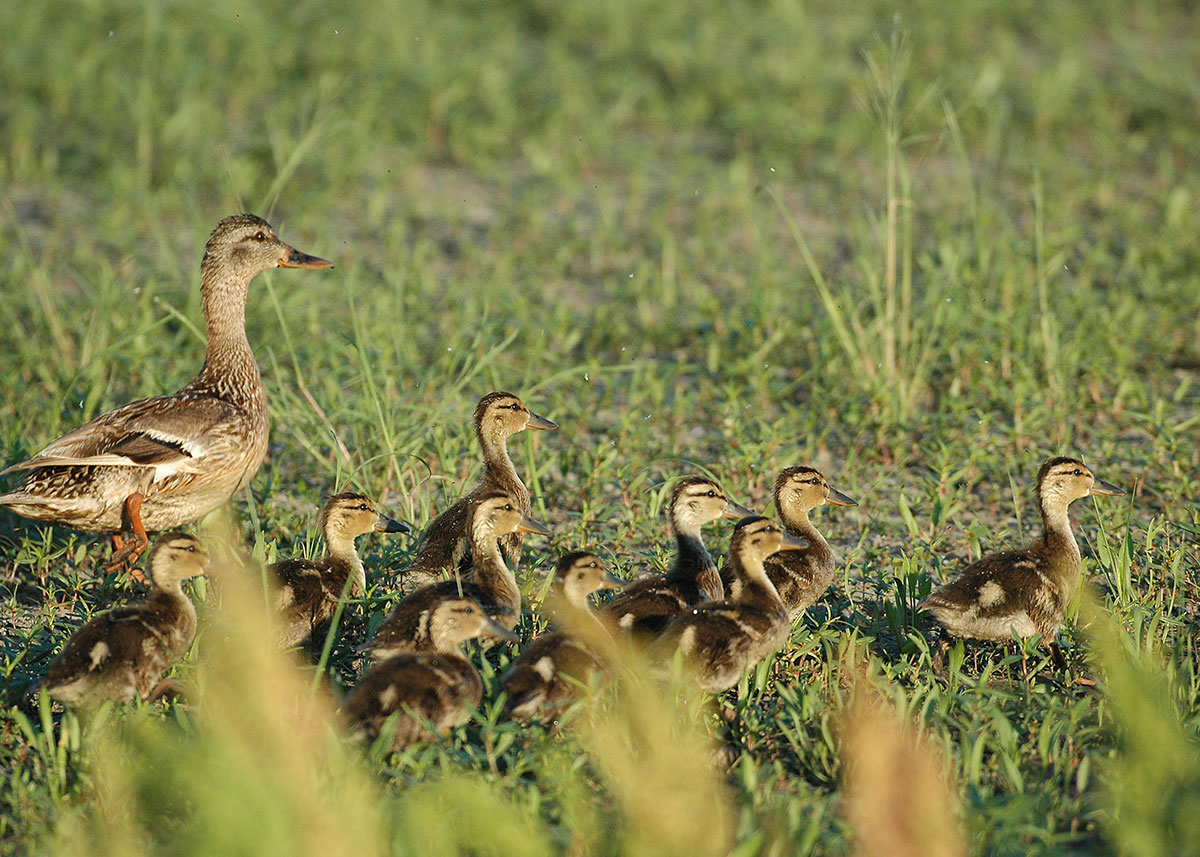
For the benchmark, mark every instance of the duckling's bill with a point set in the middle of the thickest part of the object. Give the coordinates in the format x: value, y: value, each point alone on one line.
x: 295, y: 259
x: 736, y: 511
x: 540, y: 423
x: 837, y: 498
x: 390, y: 525
x: 611, y: 581
x: 1105, y: 489
x: 529, y: 525
x: 493, y: 629
x: 791, y: 543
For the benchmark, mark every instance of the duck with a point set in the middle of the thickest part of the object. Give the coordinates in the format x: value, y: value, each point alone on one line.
x: 647, y: 606
x: 122, y: 654
x: 161, y: 463
x: 720, y: 640
x: 309, y: 590
x: 428, y: 687
x: 547, y: 676
x: 1022, y: 592
x: 800, y: 576
x: 490, y: 518
x: 444, y: 546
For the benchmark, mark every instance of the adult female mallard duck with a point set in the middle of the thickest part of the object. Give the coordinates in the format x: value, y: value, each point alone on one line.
x: 647, y: 606
x: 444, y: 547
x: 122, y: 654
x: 163, y: 462
x: 309, y: 590
x: 434, y: 686
x: 1022, y: 592
x: 547, y: 676
x: 490, y: 582
x: 802, y: 575
x: 722, y: 639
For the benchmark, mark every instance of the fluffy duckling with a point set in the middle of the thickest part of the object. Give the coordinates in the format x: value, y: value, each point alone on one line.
x: 647, y: 606
x: 800, y: 576
x: 444, y: 546
x: 163, y: 462
x: 722, y: 639
x: 547, y: 676
x: 309, y: 590
x: 491, y: 517
x: 1022, y: 592
x: 122, y: 654
x: 435, y: 687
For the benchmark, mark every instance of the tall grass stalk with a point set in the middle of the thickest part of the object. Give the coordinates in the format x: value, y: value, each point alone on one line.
x: 887, y: 342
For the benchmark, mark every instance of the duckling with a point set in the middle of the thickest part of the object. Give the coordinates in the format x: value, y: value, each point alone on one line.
x: 163, y: 462
x: 122, y: 654
x: 647, y: 606
x: 435, y: 687
x: 309, y: 590
x: 444, y: 546
x: 800, y: 576
x: 547, y: 676
x: 722, y: 639
x: 491, y: 517
x: 1022, y: 592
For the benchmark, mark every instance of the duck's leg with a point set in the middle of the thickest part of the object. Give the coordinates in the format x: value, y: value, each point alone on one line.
x: 1060, y: 664
x: 166, y: 687
x: 939, y: 655
x: 127, y: 553
x: 1056, y: 656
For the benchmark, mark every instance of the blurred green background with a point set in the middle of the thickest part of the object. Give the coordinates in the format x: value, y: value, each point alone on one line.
x: 921, y: 246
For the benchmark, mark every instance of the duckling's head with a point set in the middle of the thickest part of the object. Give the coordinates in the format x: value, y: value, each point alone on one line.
x: 244, y: 245
x: 756, y: 538
x: 499, y: 415
x: 347, y: 516
x: 697, y: 501
x: 497, y: 514
x: 799, y: 490
x: 580, y: 573
x: 1062, y: 480
x: 456, y: 620
x: 176, y: 557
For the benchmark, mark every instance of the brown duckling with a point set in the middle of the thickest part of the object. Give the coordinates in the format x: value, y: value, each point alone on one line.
x: 551, y: 669
x: 163, y: 462
x: 722, y: 639
x: 309, y: 589
x: 1022, y: 592
x: 647, y: 606
x: 491, y: 517
x: 122, y: 654
x: 435, y: 686
x: 444, y: 547
x: 800, y: 576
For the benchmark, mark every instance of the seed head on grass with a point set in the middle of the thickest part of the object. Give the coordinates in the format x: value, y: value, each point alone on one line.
x: 898, y: 801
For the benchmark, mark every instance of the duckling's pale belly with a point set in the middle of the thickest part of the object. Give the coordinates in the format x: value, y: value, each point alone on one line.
x: 974, y: 626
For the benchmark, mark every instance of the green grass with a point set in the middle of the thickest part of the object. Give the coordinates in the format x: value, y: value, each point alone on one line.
x: 920, y: 253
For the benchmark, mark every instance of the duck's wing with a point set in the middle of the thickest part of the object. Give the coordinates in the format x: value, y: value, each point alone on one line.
x: 114, y: 637
x: 170, y: 433
x: 979, y: 584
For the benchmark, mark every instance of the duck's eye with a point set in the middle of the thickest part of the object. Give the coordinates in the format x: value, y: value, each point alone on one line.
x: 191, y: 548
x: 1077, y: 472
x: 508, y: 507
x: 814, y: 481
x: 260, y: 236
x: 591, y: 565
x: 712, y: 493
